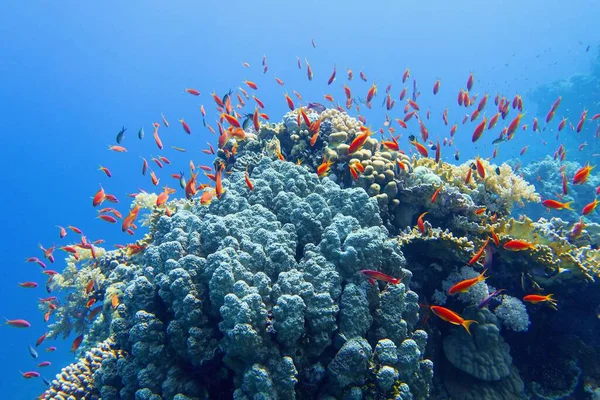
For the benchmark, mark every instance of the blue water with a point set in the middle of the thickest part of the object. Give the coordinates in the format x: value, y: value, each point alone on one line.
x: 72, y: 73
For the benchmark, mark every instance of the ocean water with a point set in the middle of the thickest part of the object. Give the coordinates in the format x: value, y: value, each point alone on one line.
x: 72, y: 74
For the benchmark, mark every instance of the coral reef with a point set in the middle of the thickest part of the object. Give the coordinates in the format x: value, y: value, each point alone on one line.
x: 260, y: 294
x: 79, y: 380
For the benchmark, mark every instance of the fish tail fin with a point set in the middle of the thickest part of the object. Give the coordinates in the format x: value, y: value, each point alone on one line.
x: 467, y: 323
x: 482, y: 276
x: 396, y: 281
x: 567, y: 205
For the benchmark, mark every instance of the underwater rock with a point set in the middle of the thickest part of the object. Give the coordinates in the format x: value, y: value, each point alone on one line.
x: 484, y: 354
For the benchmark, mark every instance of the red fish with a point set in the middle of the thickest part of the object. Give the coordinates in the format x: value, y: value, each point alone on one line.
x: 420, y: 223
x: 435, y: 195
x: 590, y: 207
x: 332, y: 77
x: 248, y: 182
x: 251, y: 85
x: 18, y: 323
x: 192, y: 91
x: 465, y: 285
x: 581, y: 176
x: 470, y: 81
x: 289, y: 101
x: 557, y: 205
x: 380, y: 276
x: 76, y: 343
x: 538, y: 298
x: 359, y: 140
x: 480, y: 168
x: 420, y: 148
x: 479, y: 130
x: 406, y: 75
x: 185, y: 126
x: 309, y: 71
x: 436, y: 87
x: 106, y: 171
x: 30, y: 374
x: 476, y: 257
x: 99, y: 197
x: 118, y: 149
x: 31, y: 285
x: 452, y: 317
x: 44, y: 364
x: 518, y: 245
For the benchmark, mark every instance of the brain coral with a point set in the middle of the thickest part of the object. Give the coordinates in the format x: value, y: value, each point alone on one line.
x: 259, y: 295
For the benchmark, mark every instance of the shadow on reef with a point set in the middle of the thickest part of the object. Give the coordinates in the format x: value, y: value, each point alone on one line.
x: 259, y: 294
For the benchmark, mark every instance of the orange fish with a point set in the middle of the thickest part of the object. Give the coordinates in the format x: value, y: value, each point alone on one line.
x: 581, y: 176
x: 518, y: 245
x: 162, y: 198
x: 479, y: 130
x: 420, y: 223
x: 155, y: 180
x: 99, y: 197
x: 465, y: 285
x: 90, y: 286
x: 289, y: 101
x: 495, y: 237
x: 118, y: 149
x: 435, y: 195
x: 380, y: 276
x: 76, y: 343
x: 248, y: 182
x: 480, y: 168
x: 359, y: 140
x: 323, y: 169
x: 219, y: 183
x: 251, y: 85
x: 478, y: 255
x: 537, y: 298
x: 420, y: 148
x: 590, y: 207
x: 114, y: 301
x: 452, y: 317
x: 557, y: 205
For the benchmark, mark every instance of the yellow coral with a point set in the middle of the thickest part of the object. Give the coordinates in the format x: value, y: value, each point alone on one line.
x: 509, y: 187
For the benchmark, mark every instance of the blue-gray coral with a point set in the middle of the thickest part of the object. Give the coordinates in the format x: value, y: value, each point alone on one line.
x: 260, y: 295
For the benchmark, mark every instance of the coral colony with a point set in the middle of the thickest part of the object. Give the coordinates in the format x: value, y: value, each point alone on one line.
x: 327, y: 263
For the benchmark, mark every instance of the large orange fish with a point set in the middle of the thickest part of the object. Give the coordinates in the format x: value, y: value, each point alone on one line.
x: 518, y: 245
x: 537, y: 298
x: 465, y: 285
x: 581, y: 176
x: 452, y: 317
x: 359, y: 140
x: 557, y: 205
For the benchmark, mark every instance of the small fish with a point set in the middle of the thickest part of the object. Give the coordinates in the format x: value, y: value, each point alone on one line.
x: 489, y: 298
x: 372, y: 276
x: 518, y: 245
x: 497, y: 170
x: 18, y: 323
x: 479, y: 253
x: 51, y: 349
x: 106, y: 171
x: 121, y: 135
x: 557, y: 205
x: 193, y: 92
x: 581, y: 176
x: 31, y: 285
x: 590, y: 207
x: 44, y: 364
x: 452, y: 317
x: 118, y: 149
x: 465, y: 285
x: 30, y: 374
x: 420, y: 223
x: 33, y: 352
x: 537, y: 298
x: 76, y: 343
